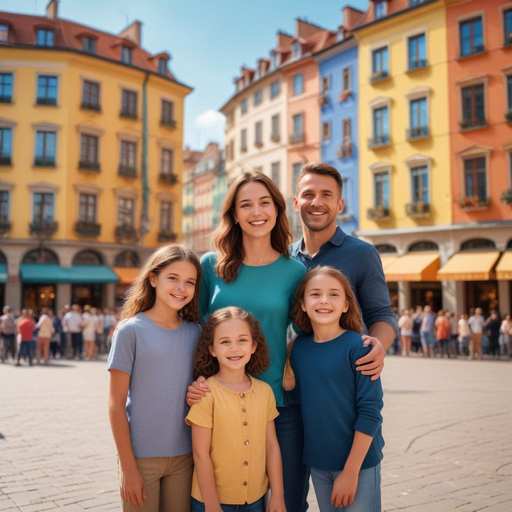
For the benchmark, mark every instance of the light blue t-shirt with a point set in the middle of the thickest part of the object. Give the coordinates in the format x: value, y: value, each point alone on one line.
x: 160, y: 364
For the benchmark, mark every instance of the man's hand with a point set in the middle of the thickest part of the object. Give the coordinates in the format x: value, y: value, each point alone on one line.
x: 344, y: 489
x: 373, y: 362
x: 197, y: 391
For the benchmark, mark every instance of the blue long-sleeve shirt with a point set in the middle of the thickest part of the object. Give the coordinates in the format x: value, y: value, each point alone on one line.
x: 336, y: 400
x: 361, y: 264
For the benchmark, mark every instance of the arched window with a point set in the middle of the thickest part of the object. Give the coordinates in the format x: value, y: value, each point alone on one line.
x: 478, y: 244
x: 385, y: 249
x: 3, y: 259
x: 127, y: 259
x: 41, y: 256
x: 423, y: 246
x: 87, y: 258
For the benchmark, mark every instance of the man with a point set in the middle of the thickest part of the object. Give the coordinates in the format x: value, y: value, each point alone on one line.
x: 427, y: 328
x: 476, y: 324
x: 73, y: 322
x: 7, y: 334
x: 319, y: 200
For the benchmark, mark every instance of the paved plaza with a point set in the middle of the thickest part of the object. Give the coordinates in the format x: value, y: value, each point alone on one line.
x: 448, y: 431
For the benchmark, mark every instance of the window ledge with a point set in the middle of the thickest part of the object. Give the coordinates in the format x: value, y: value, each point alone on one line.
x: 419, y: 68
x: 46, y: 105
x: 463, y: 57
x: 471, y: 128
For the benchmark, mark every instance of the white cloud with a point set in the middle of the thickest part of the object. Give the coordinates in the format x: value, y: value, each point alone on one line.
x: 209, y: 126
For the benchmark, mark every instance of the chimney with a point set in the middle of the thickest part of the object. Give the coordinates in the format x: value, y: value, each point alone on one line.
x: 351, y: 17
x: 305, y: 29
x: 133, y: 33
x: 52, y: 10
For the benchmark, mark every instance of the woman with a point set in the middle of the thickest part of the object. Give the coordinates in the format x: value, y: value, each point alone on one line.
x: 406, y: 324
x: 252, y: 269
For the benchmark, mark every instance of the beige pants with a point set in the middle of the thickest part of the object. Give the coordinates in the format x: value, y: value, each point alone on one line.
x: 168, y: 483
x: 43, y: 345
x: 475, y: 345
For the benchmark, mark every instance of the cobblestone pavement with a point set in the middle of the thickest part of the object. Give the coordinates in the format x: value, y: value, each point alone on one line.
x: 448, y: 427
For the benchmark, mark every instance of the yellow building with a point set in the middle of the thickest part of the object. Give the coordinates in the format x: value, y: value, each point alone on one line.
x: 91, y: 154
x: 405, y: 183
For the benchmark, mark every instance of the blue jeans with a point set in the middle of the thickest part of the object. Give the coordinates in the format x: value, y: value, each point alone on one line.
x: 367, y: 494
x: 257, y: 506
x: 290, y: 434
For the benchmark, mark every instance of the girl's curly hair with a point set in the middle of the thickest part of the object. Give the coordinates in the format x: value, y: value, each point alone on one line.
x: 206, y: 365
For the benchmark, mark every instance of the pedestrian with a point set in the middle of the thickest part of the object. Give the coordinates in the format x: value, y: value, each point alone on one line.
x: 476, y: 324
x: 45, y: 326
x: 454, y: 333
x: 7, y: 335
x: 100, y: 340
x: 65, y: 335
x: 228, y: 474
x: 55, y: 343
x: 417, y: 317
x: 405, y: 325
x: 73, y: 322
x: 428, y: 338
x: 89, y: 333
x: 492, y: 325
x: 464, y: 335
x: 109, y: 321
x: 25, y: 328
x: 341, y: 409
x: 442, y: 328
x: 150, y: 366
x: 506, y: 336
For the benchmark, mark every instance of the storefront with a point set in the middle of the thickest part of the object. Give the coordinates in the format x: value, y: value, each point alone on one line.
x: 504, y: 277
x: 126, y: 267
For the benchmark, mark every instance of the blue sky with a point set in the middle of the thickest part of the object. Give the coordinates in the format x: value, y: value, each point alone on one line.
x: 208, y: 39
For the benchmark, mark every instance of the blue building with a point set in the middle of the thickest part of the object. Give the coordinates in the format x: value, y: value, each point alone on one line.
x: 339, y: 114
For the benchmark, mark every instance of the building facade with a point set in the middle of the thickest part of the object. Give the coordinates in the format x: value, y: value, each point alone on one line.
x: 91, y: 128
x: 190, y: 160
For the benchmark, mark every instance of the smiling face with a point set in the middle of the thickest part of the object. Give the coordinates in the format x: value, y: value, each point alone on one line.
x: 318, y: 201
x: 175, y: 285
x: 255, y: 210
x: 233, y: 344
x: 324, y: 300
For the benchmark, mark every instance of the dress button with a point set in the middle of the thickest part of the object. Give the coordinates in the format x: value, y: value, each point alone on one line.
x: 245, y: 423
x: 242, y: 395
x: 246, y: 442
x: 243, y: 409
x: 246, y: 463
x: 245, y: 483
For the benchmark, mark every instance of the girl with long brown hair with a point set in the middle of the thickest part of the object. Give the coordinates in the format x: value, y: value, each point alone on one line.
x: 341, y: 408
x: 252, y: 269
x: 150, y: 366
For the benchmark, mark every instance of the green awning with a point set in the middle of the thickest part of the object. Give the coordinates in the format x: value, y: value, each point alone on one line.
x: 87, y: 274
x: 3, y: 273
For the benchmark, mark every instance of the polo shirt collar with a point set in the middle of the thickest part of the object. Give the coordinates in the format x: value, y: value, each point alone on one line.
x: 337, y: 240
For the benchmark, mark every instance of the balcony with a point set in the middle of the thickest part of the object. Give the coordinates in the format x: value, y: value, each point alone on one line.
x: 128, y: 114
x: 417, y: 132
x: 258, y: 144
x: 5, y: 160
x: 275, y: 137
x: 378, y: 76
x: 44, y: 162
x: 95, y: 107
x: 5, y: 226
x: 296, y: 138
x: 508, y: 116
x: 167, y: 236
x: 378, y: 213
x: 43, y: 227
x: 378, y: 141
x: 322, y: 99
x: 87, y: 228
x: 474, y: 203
x: 417, y: 210
x: 47, y: 102
x: 5, y: 99
x: 345, y: 95
x: 167, y: 177
x: 472, y: 124
x: 169, y: 123
x: 84, y: 165
x: 243, y: 149
x: 127, y: 171
x: 417, y: 64
x: 506, y: 197
x: 126, y: 232
x: 344, y: 150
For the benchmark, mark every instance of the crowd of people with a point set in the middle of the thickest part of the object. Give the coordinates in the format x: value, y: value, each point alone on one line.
x: 442, y: 334
x: 73, y: 333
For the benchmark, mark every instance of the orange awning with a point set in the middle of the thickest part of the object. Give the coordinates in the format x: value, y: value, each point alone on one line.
x: 469, y: 266
x: 387, y: 259
x: 504, y: 268
x: 126, y: 275
x: 414, y: 266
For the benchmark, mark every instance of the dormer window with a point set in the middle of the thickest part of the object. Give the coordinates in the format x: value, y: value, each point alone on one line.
x: 274, y: 60
x: 44, y: 37
x: 89, y: 44
x: 162, y: 66
x: 339, y: 35
x: 4, y: 33
x: 126, y: 54
x: 296, y: 49
x: 380, y: 9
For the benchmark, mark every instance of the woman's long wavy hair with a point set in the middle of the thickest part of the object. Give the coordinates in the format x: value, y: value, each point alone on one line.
x: 228, y: 236
x: 350, y: 320
x: 141, y: 295
x: 206, y: 365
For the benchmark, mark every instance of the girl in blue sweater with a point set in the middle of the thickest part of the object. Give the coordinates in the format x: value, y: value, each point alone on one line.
x: 341, y: 409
